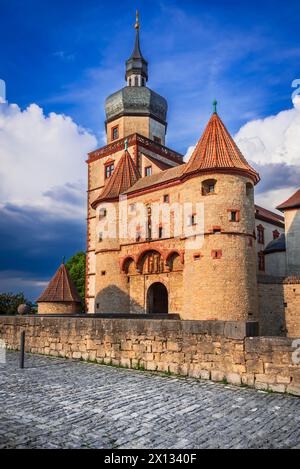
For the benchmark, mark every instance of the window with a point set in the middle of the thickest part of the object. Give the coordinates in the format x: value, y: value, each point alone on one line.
x: 192, y: 220
x: 102, y: 213
x: 216, y: 229
x: 166, y: 198
x: 138, y: 236
x: 160, y: 232
x: 197, y: 257
x: 148, y: 170
x: 249, y: 189
x: 208, y: 186
x: 276, y: 234
x: 100, y: 238
x: 109, y: 169
x: 115, y: 133
x: 260, y: 234
x: 157, y: 139
x: 103, y: 272
x: 129, y: 82
x: 216, y: 254
x: 234, y: 215
x: 136, y: 81
x: 261, y: 261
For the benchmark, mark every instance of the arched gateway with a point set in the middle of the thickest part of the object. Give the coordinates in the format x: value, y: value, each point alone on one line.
x: 157, y: 299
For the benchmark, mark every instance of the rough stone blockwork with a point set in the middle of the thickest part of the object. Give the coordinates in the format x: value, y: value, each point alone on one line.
x: 215, y: 350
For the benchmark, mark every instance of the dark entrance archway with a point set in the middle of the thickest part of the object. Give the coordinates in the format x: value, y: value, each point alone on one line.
x: 157, y: 299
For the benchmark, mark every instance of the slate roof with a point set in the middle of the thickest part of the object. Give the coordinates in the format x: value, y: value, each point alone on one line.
x: 292, y: 202
x: 217, y: 150
x: 60, y: 288
x: 276, y: 245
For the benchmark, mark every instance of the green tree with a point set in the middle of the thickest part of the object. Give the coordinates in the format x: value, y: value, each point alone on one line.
x: 76, y: 267
x: 9, y: 302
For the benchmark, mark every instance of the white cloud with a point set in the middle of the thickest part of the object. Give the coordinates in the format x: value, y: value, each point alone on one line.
x: 275, y: 139
x: 39, y: 153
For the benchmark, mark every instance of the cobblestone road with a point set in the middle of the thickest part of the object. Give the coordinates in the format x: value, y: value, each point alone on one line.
x: 56, y: 403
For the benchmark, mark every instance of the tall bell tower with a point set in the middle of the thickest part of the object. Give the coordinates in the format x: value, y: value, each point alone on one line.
x: 136, y: 108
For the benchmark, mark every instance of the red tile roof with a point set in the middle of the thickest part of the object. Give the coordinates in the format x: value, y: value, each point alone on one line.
x: 60, y: 288
x: 292, y: 202
x: 124, y: 176
x: 217, y: 150
x: 266, y: 215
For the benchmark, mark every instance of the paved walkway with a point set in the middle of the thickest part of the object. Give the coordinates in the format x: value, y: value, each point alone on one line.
x: 57, y: 403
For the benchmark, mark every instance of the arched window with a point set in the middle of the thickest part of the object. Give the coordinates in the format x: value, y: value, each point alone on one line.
x: 174, y: 262
x: 209, y: 186
x: 136, y: 81
x: 249, y: 189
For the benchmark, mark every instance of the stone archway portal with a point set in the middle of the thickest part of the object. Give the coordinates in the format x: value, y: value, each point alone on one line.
x: 157, y: 299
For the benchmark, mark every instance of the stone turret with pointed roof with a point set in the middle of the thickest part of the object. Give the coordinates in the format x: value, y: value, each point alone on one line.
x: 125, y: 176
x: 217, y: 151
x: 60, y: 296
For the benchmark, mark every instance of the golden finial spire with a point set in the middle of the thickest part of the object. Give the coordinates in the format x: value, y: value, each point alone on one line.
x: 137, y: 23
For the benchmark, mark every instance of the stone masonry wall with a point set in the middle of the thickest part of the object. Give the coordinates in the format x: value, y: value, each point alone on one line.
x: 279, y: 306
x: 215, y: 350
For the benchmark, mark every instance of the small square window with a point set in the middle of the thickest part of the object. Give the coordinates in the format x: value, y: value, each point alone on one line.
x: 115, y: 133
x: 216, y: 254
x: 109, y: 169
x: 102, y: 213
x: 148, y: 171
x: 233, y: 215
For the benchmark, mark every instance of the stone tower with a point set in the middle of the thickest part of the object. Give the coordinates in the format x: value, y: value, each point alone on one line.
x: 224, y: 277
x: 136, y: 108
x: 60, y: 296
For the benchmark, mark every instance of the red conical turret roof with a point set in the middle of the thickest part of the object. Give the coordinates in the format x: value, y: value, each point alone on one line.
x: 217, y: 151
x: 60, y: 288
x: 292, y: 202
x: 124, y: 176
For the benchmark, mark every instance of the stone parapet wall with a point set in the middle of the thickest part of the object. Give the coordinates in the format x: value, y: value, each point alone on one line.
x: 216, y: 350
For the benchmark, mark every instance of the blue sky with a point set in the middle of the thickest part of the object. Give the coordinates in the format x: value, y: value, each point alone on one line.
x: 68, y: 56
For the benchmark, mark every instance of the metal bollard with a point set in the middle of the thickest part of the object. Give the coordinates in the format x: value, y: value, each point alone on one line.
x: 22, y: 349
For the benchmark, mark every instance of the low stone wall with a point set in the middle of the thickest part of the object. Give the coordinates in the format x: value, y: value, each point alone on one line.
x: 213, y: 350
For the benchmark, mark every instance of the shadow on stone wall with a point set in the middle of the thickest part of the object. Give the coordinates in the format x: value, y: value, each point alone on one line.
x: 114, y: 300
